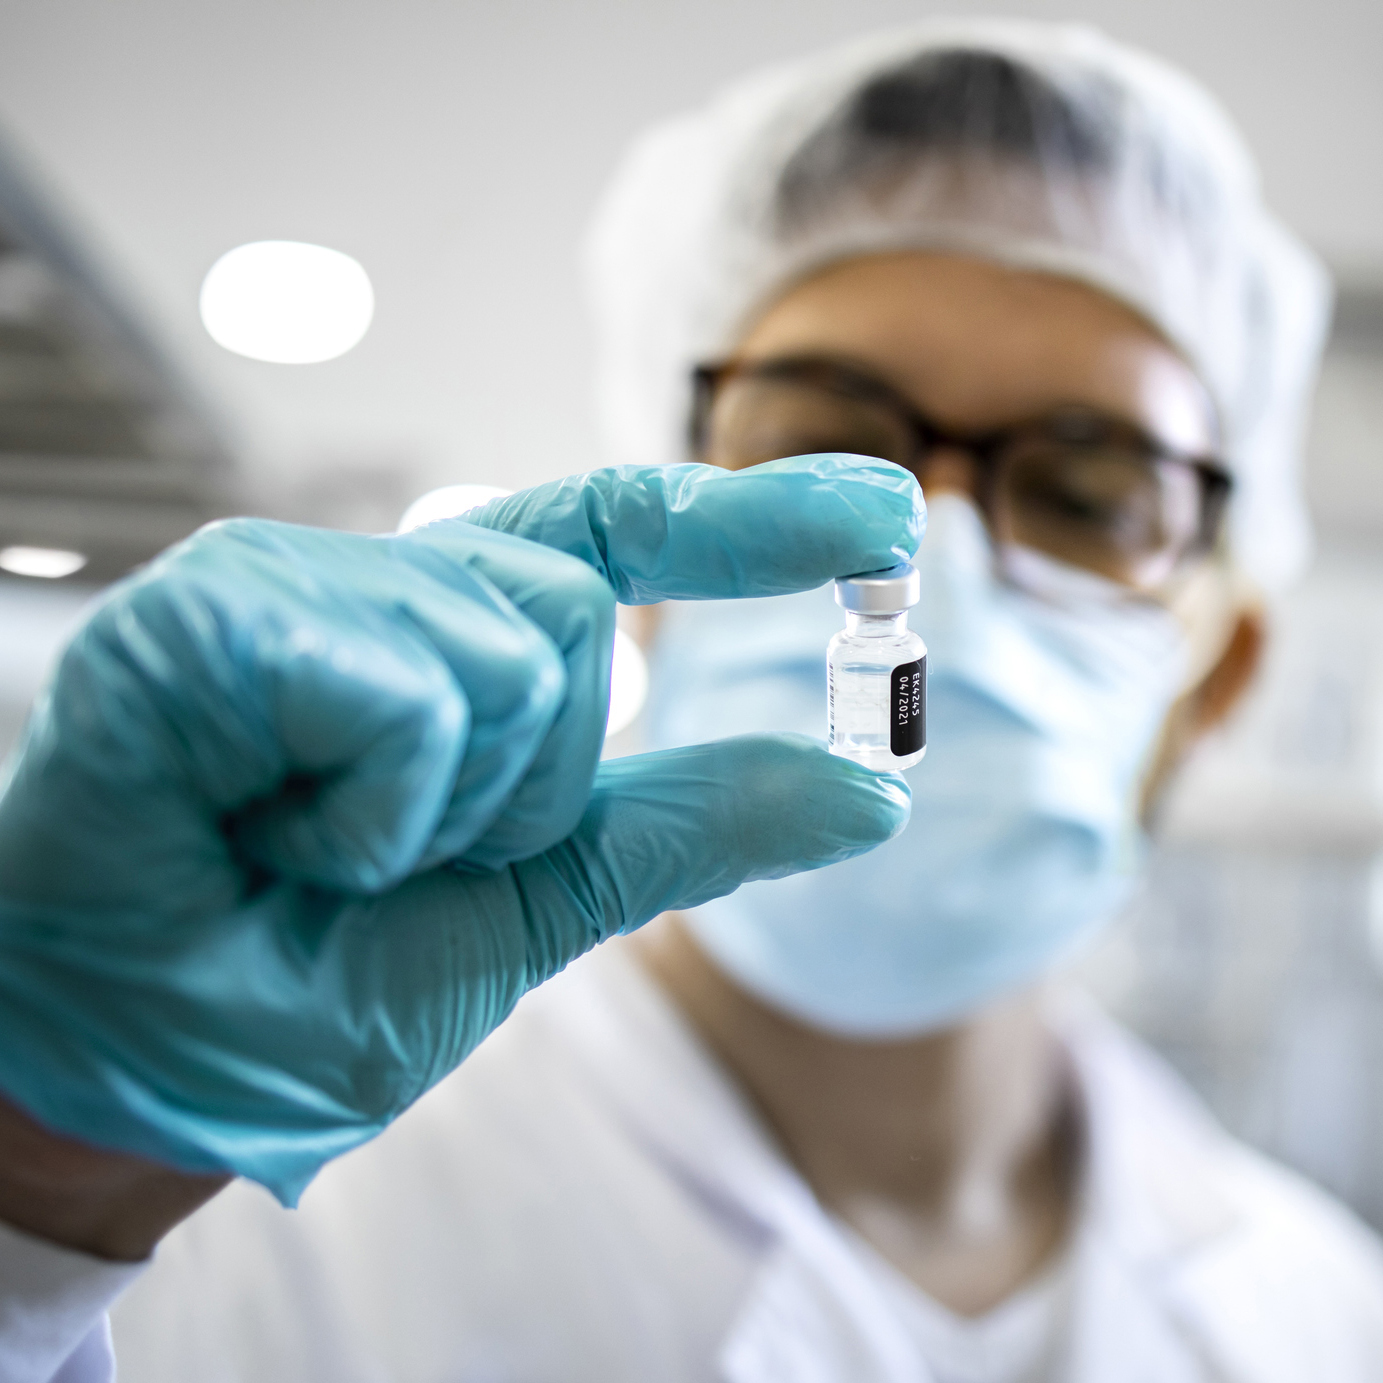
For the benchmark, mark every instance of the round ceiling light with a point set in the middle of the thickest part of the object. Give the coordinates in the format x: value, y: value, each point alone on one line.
x: 286, y: 302
x: 50, y: 563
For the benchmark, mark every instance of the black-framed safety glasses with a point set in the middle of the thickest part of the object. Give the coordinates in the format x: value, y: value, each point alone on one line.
x: 1085, y: 487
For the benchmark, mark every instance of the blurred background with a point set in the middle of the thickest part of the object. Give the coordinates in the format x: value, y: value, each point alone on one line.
x: 455, y: 150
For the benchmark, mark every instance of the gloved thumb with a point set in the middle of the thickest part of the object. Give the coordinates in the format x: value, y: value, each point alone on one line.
x: 676, y: 828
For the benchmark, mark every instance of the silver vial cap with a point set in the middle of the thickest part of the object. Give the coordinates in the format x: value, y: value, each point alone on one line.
x: 880, y: 592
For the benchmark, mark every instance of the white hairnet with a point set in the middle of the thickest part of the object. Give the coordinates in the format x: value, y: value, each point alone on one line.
x: 1044, y: 146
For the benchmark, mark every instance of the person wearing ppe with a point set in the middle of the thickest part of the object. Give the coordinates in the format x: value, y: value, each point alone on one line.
x: 842, y: 1126
x: 303, y: 814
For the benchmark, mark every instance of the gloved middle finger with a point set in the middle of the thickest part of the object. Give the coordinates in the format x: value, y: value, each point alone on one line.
x: 571, y: 603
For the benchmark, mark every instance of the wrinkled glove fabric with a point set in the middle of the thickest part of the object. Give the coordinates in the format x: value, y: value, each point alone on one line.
x: 302, y: 814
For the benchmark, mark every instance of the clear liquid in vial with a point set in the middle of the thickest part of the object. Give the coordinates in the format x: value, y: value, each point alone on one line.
x: 876, y: 688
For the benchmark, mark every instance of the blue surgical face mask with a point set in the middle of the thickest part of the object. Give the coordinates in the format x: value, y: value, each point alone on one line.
x: 1048, y: 686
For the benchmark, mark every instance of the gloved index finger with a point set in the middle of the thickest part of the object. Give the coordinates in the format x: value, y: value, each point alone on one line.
x: 697, y: 532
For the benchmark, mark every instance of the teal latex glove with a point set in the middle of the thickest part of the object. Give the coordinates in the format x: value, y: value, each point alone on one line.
x: 303, y: 814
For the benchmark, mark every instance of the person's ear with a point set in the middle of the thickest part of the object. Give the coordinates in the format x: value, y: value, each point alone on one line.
x: 1210, y: 701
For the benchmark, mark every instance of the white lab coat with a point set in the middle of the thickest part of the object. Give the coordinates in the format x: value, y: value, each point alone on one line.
x: 53, y: 1302
x: 590, y: 1199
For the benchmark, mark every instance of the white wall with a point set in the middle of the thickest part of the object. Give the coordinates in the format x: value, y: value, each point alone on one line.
x: 456, y: 149
x: 36, y: 620
x: 1344, y: 471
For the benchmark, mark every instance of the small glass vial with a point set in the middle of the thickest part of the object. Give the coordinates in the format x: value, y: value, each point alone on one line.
x: 876, y: 672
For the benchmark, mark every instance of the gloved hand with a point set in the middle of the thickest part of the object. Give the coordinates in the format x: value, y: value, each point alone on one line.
x: 304, y: 813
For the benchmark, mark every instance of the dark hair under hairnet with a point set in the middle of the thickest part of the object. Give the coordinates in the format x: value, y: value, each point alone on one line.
x: 1048, y: 147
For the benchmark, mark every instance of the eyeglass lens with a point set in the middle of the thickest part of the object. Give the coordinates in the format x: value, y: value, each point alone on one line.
x: 1096, y: 502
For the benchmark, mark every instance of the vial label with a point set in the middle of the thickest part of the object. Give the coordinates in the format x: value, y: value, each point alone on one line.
x: 830, y: 704
x: 908, y: 708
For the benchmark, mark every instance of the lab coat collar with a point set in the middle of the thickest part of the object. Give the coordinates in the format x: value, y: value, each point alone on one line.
x: 1212, y: 1262
x: 1157, y: 1203
x: 811, y: 1314
x: 1155, y: 1242
x: 1154, y: 1170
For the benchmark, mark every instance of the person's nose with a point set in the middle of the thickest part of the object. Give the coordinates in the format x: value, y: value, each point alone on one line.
x: 948, y: 468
